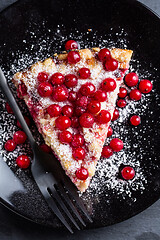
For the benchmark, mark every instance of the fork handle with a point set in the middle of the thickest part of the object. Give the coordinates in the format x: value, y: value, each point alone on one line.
x: 12, y: 102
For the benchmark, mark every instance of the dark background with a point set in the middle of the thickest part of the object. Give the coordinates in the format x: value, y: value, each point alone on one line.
x: 146, y: 225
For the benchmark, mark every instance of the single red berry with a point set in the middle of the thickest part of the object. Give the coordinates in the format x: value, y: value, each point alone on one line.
x: 78, y: 153
x: 60, y: 93
x: 57, y: 78
x: 65, y: 137
x: 82, y: 174
x: 135, y: 120
x: 86, y: 120
x: 23, y: 161
x: 74, y: 122
x: 128, y: 173
x: 131, y: 79
x: 10, y: 145
x: 110, y: 132
x: 94, y: 107
x: 104, y: 54
x: 84, y: 73
x: 145, y: 86
x: 115, y: 115
x: 100, y: 95
x: 67, y: 110
x: 116, y: 144
x: 54, y: 110
x: 45, y: 148
x: 82, y: 101
x: 8, y: 108
x: 135, y: 94
x: 78, y: 140
x: 121, y: 103
x: 107, y: 152
x: 73, y: 57
x: 72, y: 96
x: 27, y: 121
x: 19, y: 137
x: 108, y: 84
x: 45, y: 89
x: 42, y: 77
x: 111, y: 64
x: 71, y: 44
x: 63, y: 122
x: 122, y: 92
x: 70, y: 80
x: 103, y: 117
x: 87, y: 89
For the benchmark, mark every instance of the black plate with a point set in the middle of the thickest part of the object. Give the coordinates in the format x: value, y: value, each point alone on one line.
x: 31, y: 30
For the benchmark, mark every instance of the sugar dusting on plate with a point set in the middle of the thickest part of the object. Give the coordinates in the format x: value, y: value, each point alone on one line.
x: 107, y: 169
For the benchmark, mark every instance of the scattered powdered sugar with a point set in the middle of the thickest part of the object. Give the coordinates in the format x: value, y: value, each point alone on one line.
x: 107, y: 169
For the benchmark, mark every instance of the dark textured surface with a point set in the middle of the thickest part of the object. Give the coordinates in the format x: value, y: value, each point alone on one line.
x: 143, y: 226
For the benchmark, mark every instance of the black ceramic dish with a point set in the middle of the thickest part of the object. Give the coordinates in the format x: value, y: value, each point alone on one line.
x: 105, y: 18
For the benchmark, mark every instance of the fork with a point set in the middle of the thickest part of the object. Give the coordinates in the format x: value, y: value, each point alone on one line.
x: 57, y: 189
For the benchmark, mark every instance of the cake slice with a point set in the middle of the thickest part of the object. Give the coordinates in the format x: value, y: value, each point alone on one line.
x: 71, y: 98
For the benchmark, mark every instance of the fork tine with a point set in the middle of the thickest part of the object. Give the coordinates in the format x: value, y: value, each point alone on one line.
x: 73, y: 193
x: 55, y: 209
x: 61, y: 203
x: 69, y: 202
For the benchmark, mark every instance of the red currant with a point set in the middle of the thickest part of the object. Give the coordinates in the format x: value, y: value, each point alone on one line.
x: 87, y: 89
x: 82, y: 174
x: 108, y: 84
x: 23, y: 161
x: 42, y: 77
x: 65, y: 137
x: 100, y: 95
x: 19, y: 137
x: 131, y: 79
x: 54, y: 110
x: 63, y: 122
x: 115, y: 115
x: 128, y: 173
x: 103, y: 117
x: 82, y: 101
x: 71, y: 44
x: 78, y: 140
x: 94, y: 107
x: 86, y: 120
x: 111, y: 64
x: 45, y: 89
x: 135, y: 94
x: 57, y: 78
x: 110, y: 132
x: 107, y: 152
x: 60, y: 93
x: 121, y: 103
x: 122, y: 92
x: 79, y: 111
x: 116, y: 144
x: 145, y: 86
x: 104, y: 54
x: 67, y: 110
x: 70, y: 80
x: 45, y: 148
x: 8, y: 108
x: 84, y: 73
x: 74, y: 122
x: 78, y: 153
x: 135, y: 120
x: 27, y: 121
x: 10, y: 145
x: 73, y: 57
x: 72, y: 96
